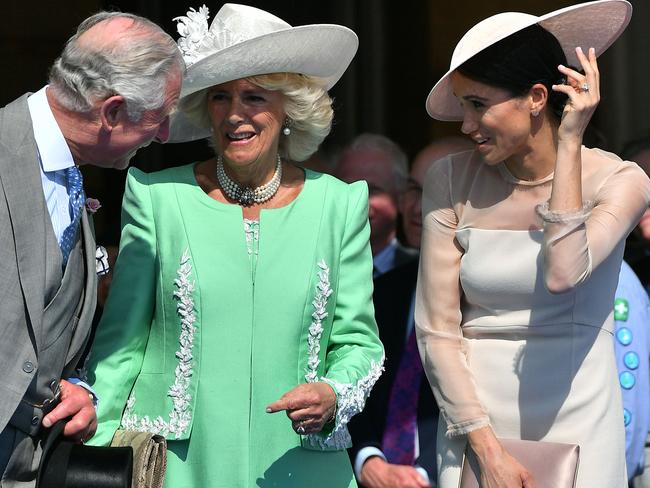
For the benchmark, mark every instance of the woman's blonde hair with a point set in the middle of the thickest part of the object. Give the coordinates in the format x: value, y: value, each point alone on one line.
x: 307, y: 106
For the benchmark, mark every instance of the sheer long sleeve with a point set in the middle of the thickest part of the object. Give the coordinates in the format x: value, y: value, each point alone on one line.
x: 576, y: 243
x: 443, y: 349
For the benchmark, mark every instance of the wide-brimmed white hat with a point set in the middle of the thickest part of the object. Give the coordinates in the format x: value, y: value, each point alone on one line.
x: 245, y: 41
x: 592, y: 24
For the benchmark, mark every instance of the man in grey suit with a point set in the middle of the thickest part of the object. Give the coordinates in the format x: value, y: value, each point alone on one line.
x: 110, y: 92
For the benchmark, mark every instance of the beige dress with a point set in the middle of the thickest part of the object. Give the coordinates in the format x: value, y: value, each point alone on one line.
x: 498, y: 348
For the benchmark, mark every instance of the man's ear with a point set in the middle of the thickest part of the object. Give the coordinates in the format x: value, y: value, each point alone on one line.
x: 112, y: 111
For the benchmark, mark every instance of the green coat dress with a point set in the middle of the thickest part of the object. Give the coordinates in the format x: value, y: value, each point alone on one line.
x: 195, y: 341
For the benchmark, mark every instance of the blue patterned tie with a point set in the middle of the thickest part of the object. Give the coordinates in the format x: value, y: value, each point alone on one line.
x: 74, y: 181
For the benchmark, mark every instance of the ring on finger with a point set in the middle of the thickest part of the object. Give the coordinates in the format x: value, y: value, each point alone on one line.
x: 584, y: 87
x: 301, y: 426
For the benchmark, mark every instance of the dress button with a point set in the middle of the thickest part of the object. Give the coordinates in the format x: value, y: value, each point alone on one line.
x: 631, y: 360
x: 627, y: 417
x: 627, y: 380
x: 624, y: 336
x: 28, y: 367
x: 35, y: 420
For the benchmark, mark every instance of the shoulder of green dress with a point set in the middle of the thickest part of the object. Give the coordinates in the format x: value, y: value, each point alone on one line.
x: 327, y: 185
x: 167, y: 174
x: 335, y: 186
x: 173, y: 174
x: 160, y: 183
x: 136, y: 179
x: 160, y: 179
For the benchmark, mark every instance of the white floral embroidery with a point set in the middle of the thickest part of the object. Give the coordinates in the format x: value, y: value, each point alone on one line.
x: 323, y: 292
x: 197, y: 40
x: 252, y: 232
x: 350, y: 401
x: 350, y: 398
x: 180, y: 418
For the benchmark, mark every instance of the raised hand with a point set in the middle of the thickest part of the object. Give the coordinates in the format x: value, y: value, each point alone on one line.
x: 584, y: 95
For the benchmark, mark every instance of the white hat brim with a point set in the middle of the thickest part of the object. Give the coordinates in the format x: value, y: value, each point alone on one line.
x: 594, y: 24
x: 319, y: 50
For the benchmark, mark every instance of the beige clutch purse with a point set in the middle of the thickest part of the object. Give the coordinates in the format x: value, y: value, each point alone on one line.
x: 149, y: 457
x: 553, y: 465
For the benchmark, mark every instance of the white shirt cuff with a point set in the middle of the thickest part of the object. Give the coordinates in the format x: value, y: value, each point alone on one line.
x: 363, y: 455
x: 423, y: 473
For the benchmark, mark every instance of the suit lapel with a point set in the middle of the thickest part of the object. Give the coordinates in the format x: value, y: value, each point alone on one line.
x: 87, y: 309
x: 21, y: 181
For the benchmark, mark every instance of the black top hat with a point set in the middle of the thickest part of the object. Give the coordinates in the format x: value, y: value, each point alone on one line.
x: 65, y: 464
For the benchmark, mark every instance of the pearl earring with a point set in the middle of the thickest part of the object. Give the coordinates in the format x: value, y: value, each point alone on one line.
x: 286, y: 130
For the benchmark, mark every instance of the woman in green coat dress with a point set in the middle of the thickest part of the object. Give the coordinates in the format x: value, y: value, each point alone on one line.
x: 243, y: 284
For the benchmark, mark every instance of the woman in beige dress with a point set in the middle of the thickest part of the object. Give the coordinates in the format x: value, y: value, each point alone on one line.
x: 522, y: 243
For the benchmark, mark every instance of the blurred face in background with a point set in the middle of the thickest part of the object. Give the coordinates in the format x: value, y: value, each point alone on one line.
x: 411, y: 201
x: 376, y: 168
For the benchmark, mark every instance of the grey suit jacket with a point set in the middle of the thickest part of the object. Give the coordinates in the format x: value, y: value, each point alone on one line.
x: 43, y: 325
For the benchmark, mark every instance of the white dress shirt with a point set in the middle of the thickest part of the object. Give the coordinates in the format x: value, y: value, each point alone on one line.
x: 54, y: 156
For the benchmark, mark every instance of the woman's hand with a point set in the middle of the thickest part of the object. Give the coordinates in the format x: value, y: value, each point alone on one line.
x: 309, y: 406
x: 584, y: 94
x: 498, y: 468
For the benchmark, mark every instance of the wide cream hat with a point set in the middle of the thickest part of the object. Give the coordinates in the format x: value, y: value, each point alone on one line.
x: 592, y: 24
x: 245, y: 41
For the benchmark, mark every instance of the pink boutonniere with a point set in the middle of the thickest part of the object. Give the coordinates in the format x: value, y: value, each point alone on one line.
x: 92, y: 205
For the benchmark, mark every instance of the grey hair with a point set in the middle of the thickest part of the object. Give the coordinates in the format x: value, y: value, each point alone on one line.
x: 136, y: 66
x: 307, y: 105
x: 380, y: 143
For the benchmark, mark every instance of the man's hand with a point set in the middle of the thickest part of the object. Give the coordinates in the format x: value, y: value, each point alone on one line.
x: 377, y: 473
x: 76, y: 404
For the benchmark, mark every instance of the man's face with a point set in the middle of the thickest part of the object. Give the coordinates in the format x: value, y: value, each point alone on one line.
x: 117, y: 149
x: 411, y: 203
x: 376, y: 169
x: 411, y: 200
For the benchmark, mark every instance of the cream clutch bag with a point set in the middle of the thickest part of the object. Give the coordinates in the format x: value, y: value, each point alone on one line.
x: 553, y: 465
x: 149, y: 457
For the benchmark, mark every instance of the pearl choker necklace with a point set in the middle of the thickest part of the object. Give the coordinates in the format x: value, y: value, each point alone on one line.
x: 245, y: 195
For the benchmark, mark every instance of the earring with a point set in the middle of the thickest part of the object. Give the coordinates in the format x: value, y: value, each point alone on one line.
x: 535, y: 113
x: 286, y: 130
